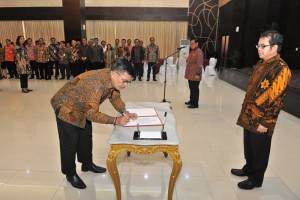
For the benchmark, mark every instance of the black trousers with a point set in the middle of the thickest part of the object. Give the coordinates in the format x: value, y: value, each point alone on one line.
x: 96, y: 65
x: 34, y: 68
x: 50, y: 69
x: 24, y: 81
x: 194, y: 92
x: 12, y: 69
x: 74, y: 69
x: 65, y: 68
x: 74, y: 141
x: 138, y: 67
x: 42, y: 69
x: 256, y: 150
x: 151, y: 65
x: 84, y: 66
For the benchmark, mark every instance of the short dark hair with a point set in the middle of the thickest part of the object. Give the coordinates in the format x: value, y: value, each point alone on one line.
x: 123, y: 65
x: 64, y: 42
x: 196, y: 40
x: 275, y: 38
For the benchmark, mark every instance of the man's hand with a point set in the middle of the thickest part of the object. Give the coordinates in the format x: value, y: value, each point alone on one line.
x: 131, y: 115
x: 262, y: 129
x: 122, y: 120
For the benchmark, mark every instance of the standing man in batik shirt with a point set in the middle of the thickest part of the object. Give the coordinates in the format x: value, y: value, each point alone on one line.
x: 137, y: 58
x: 42, y: 59
x: 64, y: 55
x: 116, y: 47
x: 193, y: 73
x: 129, y: 46
x: 32, y: 53
x: 84, y: 54
x: 77, y: 105
x: 123, y: 51
x: 53, y: 59
x: 74, y: 59
x: 152, y: 57
x: 97, y: 55
x: 260, y: 109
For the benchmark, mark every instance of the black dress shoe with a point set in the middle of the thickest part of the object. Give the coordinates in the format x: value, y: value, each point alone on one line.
x: 154, y: 80
x: 140, y: 79
x: 76, y: 181
x: 238, y: 172
x: 187, y: 103
x: 25, y: 91
x: 93, y: 168
x: 192, y: 106
x: 29, y: 90
x: 247, y: 185
x: 133, y: 79
x: 147, y: 79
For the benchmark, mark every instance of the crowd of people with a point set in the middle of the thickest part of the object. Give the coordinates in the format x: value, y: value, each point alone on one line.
x: 63, y: 60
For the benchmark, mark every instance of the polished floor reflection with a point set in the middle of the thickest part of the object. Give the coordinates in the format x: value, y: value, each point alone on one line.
x: 211, y: 144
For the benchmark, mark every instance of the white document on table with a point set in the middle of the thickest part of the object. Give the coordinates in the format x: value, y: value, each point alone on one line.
x: 144, y: 121
x: 143, y: 112
x: 150, y: 135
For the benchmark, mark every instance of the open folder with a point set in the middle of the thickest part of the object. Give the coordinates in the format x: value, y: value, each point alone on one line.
x: 146, y: 117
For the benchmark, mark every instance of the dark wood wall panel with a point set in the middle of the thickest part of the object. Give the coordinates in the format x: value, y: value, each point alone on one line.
x: 38, y: 13
x: 97, y: 13
x: 144, y: 14
x: 255, y: 16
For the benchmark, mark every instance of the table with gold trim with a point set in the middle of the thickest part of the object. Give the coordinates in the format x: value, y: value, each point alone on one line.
x: 122, y: 140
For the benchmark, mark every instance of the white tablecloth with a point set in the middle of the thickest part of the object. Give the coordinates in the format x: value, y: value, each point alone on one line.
x: 124, y: 135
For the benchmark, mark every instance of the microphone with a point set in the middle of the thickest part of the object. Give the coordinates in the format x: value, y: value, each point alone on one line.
x: 179, y: 48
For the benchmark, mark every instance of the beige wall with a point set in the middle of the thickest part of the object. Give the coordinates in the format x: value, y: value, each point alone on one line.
x: 98, y: 3
x: 30, y: 3
x: 223, y: 2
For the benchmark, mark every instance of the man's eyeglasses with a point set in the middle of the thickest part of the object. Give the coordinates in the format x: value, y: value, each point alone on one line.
x: 123, y: 80
x: 262, y: 46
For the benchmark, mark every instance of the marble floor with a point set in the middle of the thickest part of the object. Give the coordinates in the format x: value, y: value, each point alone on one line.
x: 211, y: 144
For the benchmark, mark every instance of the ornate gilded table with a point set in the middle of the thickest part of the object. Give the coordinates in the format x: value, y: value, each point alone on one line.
x: 122, y: 140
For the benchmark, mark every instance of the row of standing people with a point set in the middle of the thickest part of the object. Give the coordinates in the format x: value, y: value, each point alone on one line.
x: 72, y: 59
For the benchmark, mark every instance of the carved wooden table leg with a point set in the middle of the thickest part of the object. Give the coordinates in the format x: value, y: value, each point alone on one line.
x: 143, y: 150
x: 113, y: 170
x: 177, y: 165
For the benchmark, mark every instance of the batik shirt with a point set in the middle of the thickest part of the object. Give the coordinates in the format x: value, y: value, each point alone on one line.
x: 152, y: 53
x: 53, y: 52
x: 265, y: 94
x: 79, y: 99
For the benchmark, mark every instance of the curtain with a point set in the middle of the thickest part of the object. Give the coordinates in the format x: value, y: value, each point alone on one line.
x: 167, y: 34
x: 34, y: 29
x: 10, y: 30
x: 45, y: 29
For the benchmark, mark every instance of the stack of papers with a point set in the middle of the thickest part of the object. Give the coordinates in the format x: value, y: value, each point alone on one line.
x: 146, y: 117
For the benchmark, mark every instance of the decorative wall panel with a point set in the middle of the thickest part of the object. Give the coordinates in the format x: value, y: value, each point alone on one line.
x: 203, y: 21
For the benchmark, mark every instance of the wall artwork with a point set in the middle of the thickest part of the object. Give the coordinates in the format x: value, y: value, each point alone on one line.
x: 203, y: 24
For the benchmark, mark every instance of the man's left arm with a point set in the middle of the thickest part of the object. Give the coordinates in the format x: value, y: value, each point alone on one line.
x: 199, y: 63
x: 270, y: 102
